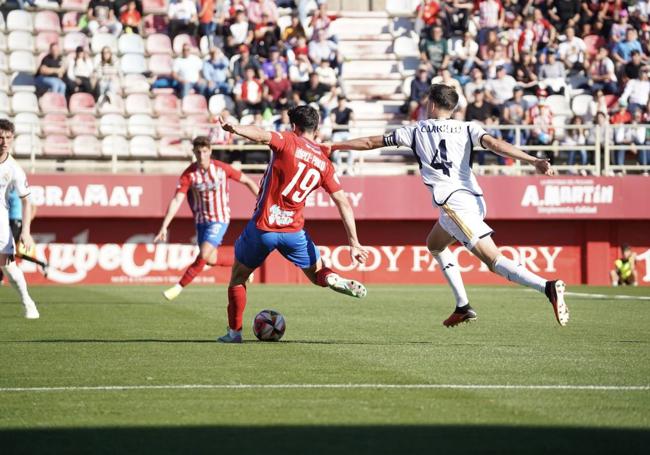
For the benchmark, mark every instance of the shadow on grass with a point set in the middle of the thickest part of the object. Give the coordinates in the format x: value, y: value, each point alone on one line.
x: 312, y: 440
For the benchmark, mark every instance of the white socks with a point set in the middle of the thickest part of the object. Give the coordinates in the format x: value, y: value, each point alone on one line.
x: 17, y: 280
x: 450, y: 270
x: 518, y: 273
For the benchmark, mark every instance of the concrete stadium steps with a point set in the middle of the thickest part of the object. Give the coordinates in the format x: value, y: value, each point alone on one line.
x: 369, y: 89
x: 372, y: 69
x: 367, y: 50
x: 361, y: 28
x: 379, y: 110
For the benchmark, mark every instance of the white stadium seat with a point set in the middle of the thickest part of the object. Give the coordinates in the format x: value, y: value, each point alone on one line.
x: 112, y: 124
x: 141, y: 125
x: 27, y: 123
x: 143, y: 147
x: 20, y: 41
x: 26, y: 144
x: 24, y: 102
x: 101, y: 40
x: 131, y: 43
x: 19, y: 20
x: 22, y: 61
x: 115, y: 145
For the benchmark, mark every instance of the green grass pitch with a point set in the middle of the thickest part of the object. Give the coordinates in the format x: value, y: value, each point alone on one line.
x: 126, y: 336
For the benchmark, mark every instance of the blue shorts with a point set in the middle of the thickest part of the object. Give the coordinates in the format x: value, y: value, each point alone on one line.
x: 211, y: 232
x: 254, y: 245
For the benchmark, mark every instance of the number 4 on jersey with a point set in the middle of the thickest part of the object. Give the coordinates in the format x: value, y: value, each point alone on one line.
x: 442, y: 163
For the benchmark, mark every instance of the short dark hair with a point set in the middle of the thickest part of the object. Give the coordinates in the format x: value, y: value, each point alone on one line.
x: 305, y: 118
x: 6, y: 125
x: 625, y: 246
x: 200, y: 141
x: 443, y: 96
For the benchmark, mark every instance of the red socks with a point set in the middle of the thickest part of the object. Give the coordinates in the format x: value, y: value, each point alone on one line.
x: 192, y: 271
x: 321, y: 276
x: 236, y: 306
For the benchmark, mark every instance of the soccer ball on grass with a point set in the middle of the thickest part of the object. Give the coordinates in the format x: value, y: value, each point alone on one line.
x: 268, y: 325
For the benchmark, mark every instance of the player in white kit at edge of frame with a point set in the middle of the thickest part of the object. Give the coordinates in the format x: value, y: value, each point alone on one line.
x: 13, y: 177
x: 443, y: 148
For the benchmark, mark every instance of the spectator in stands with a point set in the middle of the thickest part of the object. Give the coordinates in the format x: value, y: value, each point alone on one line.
x: 183, y: 17
x: 241, y: 31
x: 256, y: 8
x: 477, y: 81
x: 249, y: 94
x: 576, y: 137
x: 266, y: 34
x: 603, y: 73
x: 207, y: 26
x: 479, y: 110
x: 618, y: 30
x: 215, y: 73
x: 293, y: 31
x: 525, y: 72
x: 321, y: 48
x: 624, y: 272
x: 637, y: 91
x: 564, y: 13
x: 283, y: 123
x: 433, y: 50
x: 514, y: 113
x: 51, y: 72
x: 622, y: 52
x: 490, y: 124
x: 572, y: 51
x: 186, y: 71
x: 552, y: 74
x: 455, y: 17
x: 598, y: 105
x: 341, y: 117
x: 101, y: 17
x: 632, y: 69
x: 326, y: 73
x: 545, y: 33
x: 107, y: 75
x: 491, y: 18
x: 419, y: 88
x: 131, y: 18
x: 244, y: 61
x: 313, y: 90
x: 620, y: 118
x: 543, y: 133
x: 637, y: 134
x: 500, y: 89
x: 426, y: 16
x: 80, y: 73
x: 496, y: 57
x: 301, y: 69
x: 270, y: 65
x: 465, y: 54
x: 278, y: 89
x: 320, y: 21
x: 445, y: 77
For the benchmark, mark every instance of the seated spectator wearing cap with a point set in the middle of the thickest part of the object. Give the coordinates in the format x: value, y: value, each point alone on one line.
x: 240, y: 32
x: 183, y: 17
x: 480, y: 109
x: 637, y: 91
x: 101, y: 17
x: 249, y: 94
x: 80, y: 73
x: 51, y: 71
x: 215, y: 72
x: 500, y: 89
x: 602, y: 73
x: 244, y: 60
x: 186, y: 71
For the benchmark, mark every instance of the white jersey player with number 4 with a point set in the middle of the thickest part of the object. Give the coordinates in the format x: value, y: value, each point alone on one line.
x: 443, y: 148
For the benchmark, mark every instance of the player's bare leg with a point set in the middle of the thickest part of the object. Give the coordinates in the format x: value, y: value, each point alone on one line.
x: 236, y: 302
x: 17, y: 280
x: 207, y: 255
x: 327, y: 278
x: 438, y: 242
x: 488, y: 252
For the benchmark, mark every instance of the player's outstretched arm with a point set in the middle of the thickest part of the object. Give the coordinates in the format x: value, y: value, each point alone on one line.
x: 360, y: 143
x: 250, y: 184
x: 357, y: 252
x: 502, y: 148
x: 25, y: 233
x: 174, y: 205
x: 250, y: 132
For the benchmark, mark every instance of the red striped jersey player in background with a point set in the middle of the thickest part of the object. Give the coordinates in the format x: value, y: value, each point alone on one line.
x: 205, y: 183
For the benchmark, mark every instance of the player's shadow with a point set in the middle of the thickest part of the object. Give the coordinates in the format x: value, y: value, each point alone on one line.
x: 327, y: 439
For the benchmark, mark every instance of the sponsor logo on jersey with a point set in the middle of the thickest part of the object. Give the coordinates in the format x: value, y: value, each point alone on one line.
x: 280, y: 217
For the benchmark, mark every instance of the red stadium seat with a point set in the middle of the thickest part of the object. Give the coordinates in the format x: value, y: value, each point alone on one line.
x: 70, y: 21
x: 44, y: 39
x: 154, y: 24
x: 138, y: 103
x: 73, y: 40
x: 54, y: 124
x: 54, y: 103
x: 75, y: 5
x: 183, y: 39
x: 143, y: 147
x: 194, y: 104
x: 158, y: 43
x: 87, y: 146
x: 169, y: 124
x: 160, y: 64
x: 611, y: 100
x: 593, y: 43
x: 154, y: 6
x: 57, y: 145
x: 174, y: 147
x: 82, y: 103
x: 166, y: 104
x: 47, y: 21
x: 83, y: 124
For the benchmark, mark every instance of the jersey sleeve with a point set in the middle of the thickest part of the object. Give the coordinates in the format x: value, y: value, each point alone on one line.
x: 20, y: 183
x: 183, y: 183
x: 230, y: 171
x: 331, y: 182
x: 400, y: 137
x: 279, y: 142
x: 476, y: 133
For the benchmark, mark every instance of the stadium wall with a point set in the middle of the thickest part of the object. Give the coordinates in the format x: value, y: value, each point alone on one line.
x: 99, y: 229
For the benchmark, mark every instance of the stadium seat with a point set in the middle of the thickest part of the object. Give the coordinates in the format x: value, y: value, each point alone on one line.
x: 580, y: 104
x: 153, y: 23
x: 408, y: 65
x: 112, y: 124
x: 24, y: 102
x: 20, y: 41
x: 247, y: 119
x: 204, y: 46
x: 143, y: 147
x: 115, y: 145
x: 57, y: 145
x: 138, y: 103
x: 47, y: 21
x: 130, y: 43
x: 27, y: 123
x: 166, y: 104
x: 2, y: 22
x: 4, y: 82
x: 141, y: 125
x: 559, y: 105
x: 44, y: 39
x: 115, y: 106
x: 73, y: 40
x: 160, y: 64
x: 3, y: 42
x: 593, y: 43
x: 27, y: 144
x: 405, y: 46
x: 4, y: 102
x: 55, y: 124
x: 133, y: 64
x: 19, y: 20
x: 135, y: 83
x: 174, y: 147
x: 86, y: 146
x: 70, y: 21
x: 83, y: 124
x: 101, y: 40
x: 284, y: 22
x: 53, y: 103
x: 197, y: 125
x: 154, y: 6
x: 4, y: 64
x: 401, y: 8
x: 159, y: 43
x: 75, y: 5
x: 22, y: 61
x: 611, y: 100
x: 406, y: 86
x: 220, y: 102
x: 182, y: 40
x: 82, y: 103
x: 169, y: 124
x: 23, y: 82
x: 194, y: 104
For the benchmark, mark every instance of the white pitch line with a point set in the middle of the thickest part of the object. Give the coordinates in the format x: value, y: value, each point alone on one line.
x: 332, y: 386
x: 607, y: 296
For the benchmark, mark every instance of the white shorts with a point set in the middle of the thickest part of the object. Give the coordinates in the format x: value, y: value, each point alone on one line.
x: 6, y: 238
x: 462, y: 217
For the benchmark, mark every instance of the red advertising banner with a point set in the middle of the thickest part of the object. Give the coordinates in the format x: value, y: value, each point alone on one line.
x: 373, y: 198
